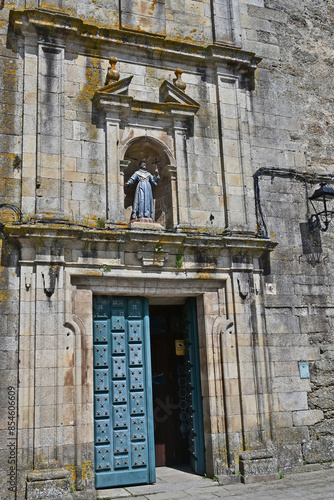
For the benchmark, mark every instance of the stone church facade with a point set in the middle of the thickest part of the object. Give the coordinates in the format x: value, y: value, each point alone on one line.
x: 202, y: 335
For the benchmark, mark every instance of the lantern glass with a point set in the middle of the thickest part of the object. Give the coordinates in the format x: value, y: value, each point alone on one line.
x: 323, y: 210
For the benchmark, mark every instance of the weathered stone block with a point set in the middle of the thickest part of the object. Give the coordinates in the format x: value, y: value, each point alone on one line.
x: 286, y: 435
x: 285, y: 384
x: 322, y: 371
x: 49, y: 484
x: 283, y: 419
x: 308, y: 417
x: 290, y: 401
x: 323, y: 398
x: 321, y: 450
x: 324, y: 428
x: 258, y: 463
x: 289, y: 456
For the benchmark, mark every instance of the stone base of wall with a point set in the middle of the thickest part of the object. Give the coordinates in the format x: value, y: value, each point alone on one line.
x: 258, y: 465
x: 49, y: 483
x: 228, y: 479
x: 261, y: 478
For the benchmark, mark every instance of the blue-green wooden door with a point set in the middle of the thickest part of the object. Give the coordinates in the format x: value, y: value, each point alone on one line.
x: 123, y: 412
x: 196, y: 443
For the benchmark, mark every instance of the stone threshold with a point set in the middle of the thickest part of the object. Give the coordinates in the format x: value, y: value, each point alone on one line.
x: 168, y: 480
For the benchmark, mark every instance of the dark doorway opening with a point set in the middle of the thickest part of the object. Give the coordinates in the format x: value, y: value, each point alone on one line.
x: 172, y: 398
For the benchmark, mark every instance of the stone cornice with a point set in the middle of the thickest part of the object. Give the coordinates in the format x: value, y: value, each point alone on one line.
x: 189, y: 239
x: 41, y: 21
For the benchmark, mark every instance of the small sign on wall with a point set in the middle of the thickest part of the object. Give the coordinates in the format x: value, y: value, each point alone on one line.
x: 304, y: 369
x: 271, y: 288
x: 180, y: 348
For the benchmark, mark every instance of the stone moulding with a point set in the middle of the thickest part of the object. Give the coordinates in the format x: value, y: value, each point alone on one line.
x: 105, y: 100
x: 32, y: 21
x: 125, y: 237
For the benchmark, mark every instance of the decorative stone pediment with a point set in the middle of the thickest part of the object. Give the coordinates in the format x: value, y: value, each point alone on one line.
x: 119, y: 88
x: 175, y: 102
x: 171, y: 94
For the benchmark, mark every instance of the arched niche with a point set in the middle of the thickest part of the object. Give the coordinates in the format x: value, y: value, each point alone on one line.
x: 165, y: 194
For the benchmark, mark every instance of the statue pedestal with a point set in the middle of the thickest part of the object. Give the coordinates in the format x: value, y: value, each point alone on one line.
x: 144, y: 223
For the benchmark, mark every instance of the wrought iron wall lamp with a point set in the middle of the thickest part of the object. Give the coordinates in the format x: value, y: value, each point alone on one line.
x: 323, y: 197
x: 323, y: 208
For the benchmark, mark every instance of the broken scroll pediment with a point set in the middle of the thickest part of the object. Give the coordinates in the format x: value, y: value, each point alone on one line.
x: 172, y: 94
x: 121, y: 87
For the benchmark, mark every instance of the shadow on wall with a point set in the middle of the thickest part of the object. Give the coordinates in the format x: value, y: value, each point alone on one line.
x: 311, y: 243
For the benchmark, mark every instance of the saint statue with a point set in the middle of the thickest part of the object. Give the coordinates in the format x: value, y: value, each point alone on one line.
x: 143, y: 200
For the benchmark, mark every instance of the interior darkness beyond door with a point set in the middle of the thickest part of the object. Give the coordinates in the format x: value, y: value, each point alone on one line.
x: 176, y: 427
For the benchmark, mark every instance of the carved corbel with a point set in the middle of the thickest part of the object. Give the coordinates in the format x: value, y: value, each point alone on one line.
x: 26, y: 280
x: 27, y: 284
x: 243, y: 289
x: 53, y: 277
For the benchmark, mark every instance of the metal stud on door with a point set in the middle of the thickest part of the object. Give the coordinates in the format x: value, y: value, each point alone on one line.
x: 123, y: 414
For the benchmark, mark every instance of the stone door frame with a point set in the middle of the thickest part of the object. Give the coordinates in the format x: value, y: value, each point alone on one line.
x: 211, y: 298
x: 232, y: 351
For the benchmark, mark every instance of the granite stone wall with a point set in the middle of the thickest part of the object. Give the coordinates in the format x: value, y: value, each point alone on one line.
x: 257, y: 105
x: 292, y: 128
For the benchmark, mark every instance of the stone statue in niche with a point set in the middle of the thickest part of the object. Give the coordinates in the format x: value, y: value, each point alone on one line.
x: 143, y: 207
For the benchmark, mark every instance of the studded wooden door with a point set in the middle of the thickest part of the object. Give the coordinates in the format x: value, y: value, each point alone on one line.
x: 196, y: 442
x: 123, y: 414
